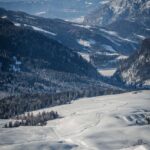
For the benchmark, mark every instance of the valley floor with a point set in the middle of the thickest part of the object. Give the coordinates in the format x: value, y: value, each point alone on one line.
x: 107, y: 72
x: 114, y: 122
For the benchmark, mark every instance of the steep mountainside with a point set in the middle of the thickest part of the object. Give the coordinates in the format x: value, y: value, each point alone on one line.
x: 114, y: 10
x: 136, y: 70
x: 36, y: 71
x: 90, y: 41
x: 128, y: 18
x: 19, y: 43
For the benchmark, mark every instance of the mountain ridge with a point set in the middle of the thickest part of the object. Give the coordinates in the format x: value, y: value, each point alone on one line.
x: 135, y: 71
x: 86, y: 40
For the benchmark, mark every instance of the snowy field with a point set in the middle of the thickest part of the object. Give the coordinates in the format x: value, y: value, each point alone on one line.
x: 99, y: 123
x: 107, y: 72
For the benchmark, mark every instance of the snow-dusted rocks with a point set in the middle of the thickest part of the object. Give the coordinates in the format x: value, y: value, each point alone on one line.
x: 115, y: 10
x: 136, y: 70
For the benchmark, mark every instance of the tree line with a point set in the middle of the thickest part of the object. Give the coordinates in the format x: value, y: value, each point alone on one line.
x: 30, y: 119
x: 16, y: 105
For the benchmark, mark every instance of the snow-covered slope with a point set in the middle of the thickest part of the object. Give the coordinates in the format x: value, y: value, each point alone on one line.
x: 136, y: 69
x: 115, y: 122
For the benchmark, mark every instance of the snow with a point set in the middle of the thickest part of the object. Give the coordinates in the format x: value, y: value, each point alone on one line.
x: 147, y: 83
x: 87, y: 124
x: 107, y: 53
x: 85, y: 56
x: 113, y: 53
x: 82, y: 26
x: 147, y: 4
x: 141, y: 147
x: 17, y: 24
x: 4, y: 17
x: 140, y: 36
x: 122, y: 57
x: 88, y: 3
x: 117, y: 9
x: 41, y: 30
x: 131, y: 75
x: 109, y: 48
x: 107, y: 72
x: 109, y: 32
x: 104, y: 2
x: 40, y: 13
x: 76, y: 20
x: 116, y: 35
x: 86, y: 43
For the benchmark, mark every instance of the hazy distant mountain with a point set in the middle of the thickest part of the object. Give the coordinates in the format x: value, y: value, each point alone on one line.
x: 136, y: 70
x: 73, y: 10
x: 114, y: 10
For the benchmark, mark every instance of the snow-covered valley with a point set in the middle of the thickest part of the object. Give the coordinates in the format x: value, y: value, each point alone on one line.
x: 114, y: 122
x: 74, y: 75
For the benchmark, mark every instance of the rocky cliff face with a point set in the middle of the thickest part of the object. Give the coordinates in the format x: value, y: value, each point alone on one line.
x: 127, y: 18
x: 136, y: 70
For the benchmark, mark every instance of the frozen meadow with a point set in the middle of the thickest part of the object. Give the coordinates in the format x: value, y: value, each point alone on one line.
x: 114, y: 122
